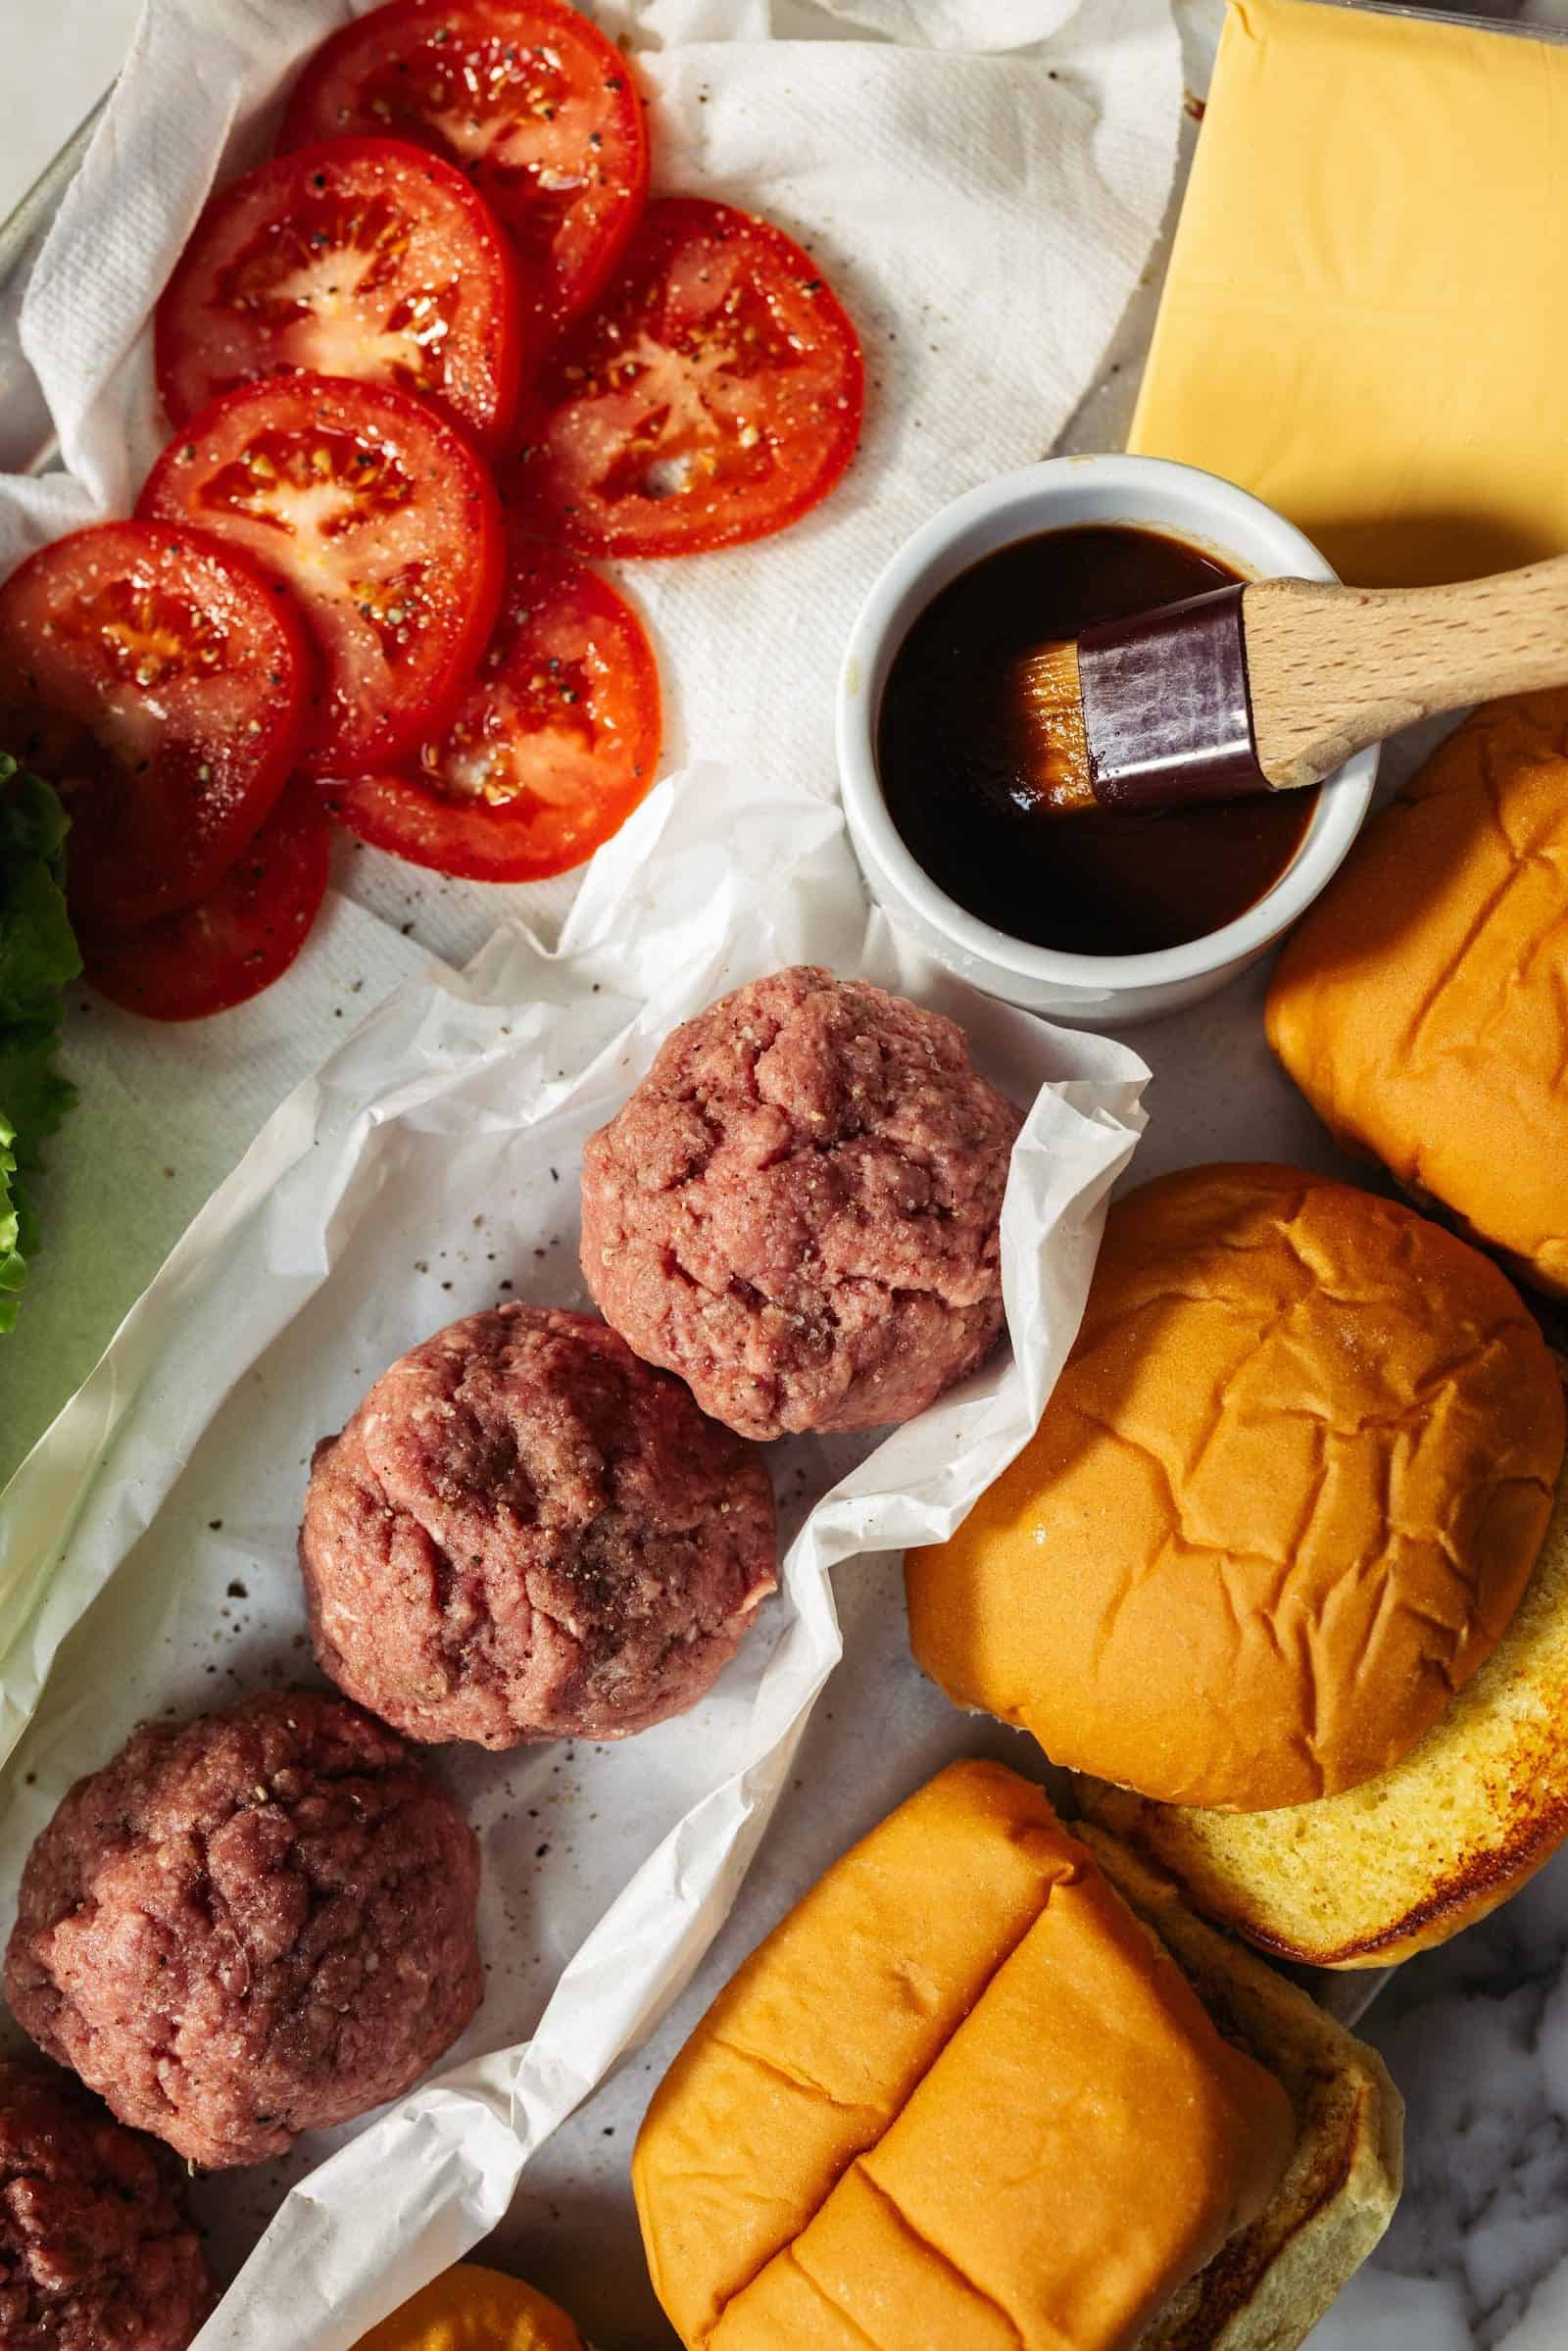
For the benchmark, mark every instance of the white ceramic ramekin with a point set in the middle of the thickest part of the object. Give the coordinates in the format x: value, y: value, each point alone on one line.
x: 1097, y: 990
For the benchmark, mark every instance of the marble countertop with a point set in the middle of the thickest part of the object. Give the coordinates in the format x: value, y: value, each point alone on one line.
x: 1476, y: 2034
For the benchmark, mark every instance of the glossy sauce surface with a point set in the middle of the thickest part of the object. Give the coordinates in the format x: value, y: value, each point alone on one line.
x: 956, y: 782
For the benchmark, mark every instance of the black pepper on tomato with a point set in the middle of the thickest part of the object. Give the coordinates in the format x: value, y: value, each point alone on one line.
x: 386, y: 524
x: 160, y: 682
x: 361, y: 257
x: 551, y: 749
x: 526, y: 97
x: 714, y: 395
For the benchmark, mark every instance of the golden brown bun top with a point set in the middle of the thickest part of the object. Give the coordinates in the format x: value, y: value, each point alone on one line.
x: 959, y: 2095
x: 1422, y: 1005
x: 469, y: 2307
x: 1283, y: 1502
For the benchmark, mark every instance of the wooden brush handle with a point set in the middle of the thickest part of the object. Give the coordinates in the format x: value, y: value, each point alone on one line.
x: 1330, y: 669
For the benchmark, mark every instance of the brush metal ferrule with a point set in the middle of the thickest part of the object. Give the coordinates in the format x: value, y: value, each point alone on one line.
x: 1167, y: 716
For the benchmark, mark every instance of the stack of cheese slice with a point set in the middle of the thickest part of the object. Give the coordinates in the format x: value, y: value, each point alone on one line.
x: 971, y: 2094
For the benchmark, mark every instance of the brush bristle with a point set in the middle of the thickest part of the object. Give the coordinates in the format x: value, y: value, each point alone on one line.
x: 1047, y: 722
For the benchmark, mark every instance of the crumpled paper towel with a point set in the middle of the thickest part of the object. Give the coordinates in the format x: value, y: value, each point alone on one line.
x: 433, y: 1160
x: 982, y: 180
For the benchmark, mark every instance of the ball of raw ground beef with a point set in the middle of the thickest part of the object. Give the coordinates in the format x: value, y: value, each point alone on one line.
x: 96, y: 2253
x: 797, y: 1210
x: 248, y: 1926
x: 524, y: 1532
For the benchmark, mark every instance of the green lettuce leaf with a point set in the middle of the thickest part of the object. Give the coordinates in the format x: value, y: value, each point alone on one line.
x: 13, y: 1264
x: 38, y: 958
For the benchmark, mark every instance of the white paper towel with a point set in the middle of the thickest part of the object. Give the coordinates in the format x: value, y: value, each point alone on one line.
x: 982, y: 180
x: 148, y: 1544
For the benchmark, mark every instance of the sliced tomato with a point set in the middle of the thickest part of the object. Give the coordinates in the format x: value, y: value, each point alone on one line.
x: 526, y: 96
x: 363, y: 258
x: 161, y: 681
x: 385, y: 523
x: 714, y: 395
x: 553, y: 746
x: 239, y: 938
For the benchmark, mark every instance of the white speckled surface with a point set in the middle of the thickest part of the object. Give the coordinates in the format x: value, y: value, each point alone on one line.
x: 1476, y: 2034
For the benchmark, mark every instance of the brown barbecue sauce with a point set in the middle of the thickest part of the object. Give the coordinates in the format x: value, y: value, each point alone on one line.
x: 959, y: 792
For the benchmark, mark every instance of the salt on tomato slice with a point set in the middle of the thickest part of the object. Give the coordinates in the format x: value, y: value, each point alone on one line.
x: 363, y: 258
x: 525, y: 96
x: 385, y: 523
x: 555, y: 744
x: 161, y: 681
x: 714, y: 395
x: 240, y: 937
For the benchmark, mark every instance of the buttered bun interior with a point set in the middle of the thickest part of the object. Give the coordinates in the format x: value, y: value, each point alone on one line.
x: 1283, y: 1502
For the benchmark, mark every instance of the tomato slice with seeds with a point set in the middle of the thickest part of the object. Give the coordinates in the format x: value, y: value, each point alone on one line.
x: 161, y: 681
x: 240, y: 937
x: 555, y: 744
x: 363, y: 258
x: 385, y: 523
x: 526, y: 96
x: 714, y: 395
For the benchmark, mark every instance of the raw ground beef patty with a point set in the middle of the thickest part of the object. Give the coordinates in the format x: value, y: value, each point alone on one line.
x: 250, y: 1925
x: 96, y: 2253
x: 524, y: 1532
x: 797, y: 1210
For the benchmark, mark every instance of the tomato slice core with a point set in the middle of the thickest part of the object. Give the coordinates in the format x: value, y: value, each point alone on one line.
x: 525, y: 96
x: 713, y: 396
x: 240, y: 937
x: 385, y: 522
x: 364, y: 258
x: 553, y: 746
x: 161, y: 681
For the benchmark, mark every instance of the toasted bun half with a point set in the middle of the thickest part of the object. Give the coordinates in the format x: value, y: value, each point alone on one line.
x: 959, y: 2096
x: 1282, y: 1505
x: 1419, y: 1006
x: 469, y: 2307
x: 1276, y: 2278
x: 1409, y: 1858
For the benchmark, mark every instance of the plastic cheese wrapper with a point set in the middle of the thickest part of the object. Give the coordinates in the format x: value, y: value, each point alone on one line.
x: 431, y: 1166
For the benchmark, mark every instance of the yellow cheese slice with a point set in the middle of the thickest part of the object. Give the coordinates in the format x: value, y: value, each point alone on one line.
x: 959, y: 2100
x: 1365, y: 319
x: 470, y: 2308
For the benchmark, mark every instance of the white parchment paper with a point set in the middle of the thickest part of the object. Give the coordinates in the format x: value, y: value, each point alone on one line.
x: 430, y: 1167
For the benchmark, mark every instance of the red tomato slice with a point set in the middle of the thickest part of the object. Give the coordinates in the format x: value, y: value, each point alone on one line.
x: 386, y: 525
x: 553, y: 746
x: 526, y: 96
x: 362, y: 258
x: 713, y: 396
x: 240, y: 939
x: 161, y: 681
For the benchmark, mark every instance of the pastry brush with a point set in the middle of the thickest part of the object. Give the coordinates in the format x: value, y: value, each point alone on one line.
x: 1272, y: 683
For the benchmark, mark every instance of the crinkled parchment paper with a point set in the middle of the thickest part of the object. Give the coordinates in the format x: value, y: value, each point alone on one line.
x: 430, y: 1167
